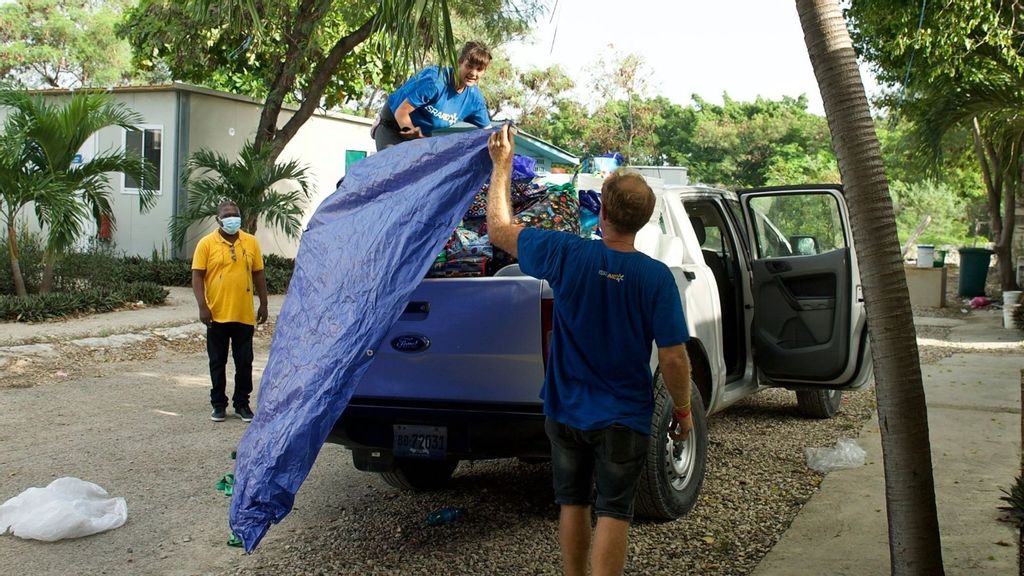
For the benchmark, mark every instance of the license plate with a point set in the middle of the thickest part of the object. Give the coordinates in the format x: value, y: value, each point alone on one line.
x: 421, y: 441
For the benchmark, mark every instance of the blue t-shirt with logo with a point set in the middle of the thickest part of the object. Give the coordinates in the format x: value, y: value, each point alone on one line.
x: 438, y: 105
x: 609, y: 307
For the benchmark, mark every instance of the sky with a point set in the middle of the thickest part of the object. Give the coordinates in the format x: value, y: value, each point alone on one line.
x: 746, y: 48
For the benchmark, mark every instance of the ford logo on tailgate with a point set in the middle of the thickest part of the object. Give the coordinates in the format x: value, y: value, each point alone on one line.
x: 410, y: 343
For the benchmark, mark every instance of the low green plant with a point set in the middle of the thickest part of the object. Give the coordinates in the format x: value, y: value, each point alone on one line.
x: 30, y: 260
x: 1015, y: 498
x: 38, y: 307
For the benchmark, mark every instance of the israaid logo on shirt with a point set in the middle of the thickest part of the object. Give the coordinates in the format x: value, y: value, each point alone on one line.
x: 450, y: 118
x: 610, y: 276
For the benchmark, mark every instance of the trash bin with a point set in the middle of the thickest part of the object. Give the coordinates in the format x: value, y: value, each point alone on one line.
x: 973, y: 271
x: 940, y: 259
x: 925, y: 255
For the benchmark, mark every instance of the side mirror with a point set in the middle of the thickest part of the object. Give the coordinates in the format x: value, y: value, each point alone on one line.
x: 804, y: 245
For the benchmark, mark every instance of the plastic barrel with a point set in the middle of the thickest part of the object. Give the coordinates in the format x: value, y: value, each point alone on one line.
x: 1010, y: 299
x: 973, y: 271
x: 925, y: 255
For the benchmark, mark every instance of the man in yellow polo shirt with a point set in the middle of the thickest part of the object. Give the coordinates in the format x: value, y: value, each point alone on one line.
x: 227, y: 265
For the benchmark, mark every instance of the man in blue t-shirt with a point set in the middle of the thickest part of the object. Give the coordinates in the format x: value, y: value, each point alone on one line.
x: 611, y: 302
x: 436, y: 97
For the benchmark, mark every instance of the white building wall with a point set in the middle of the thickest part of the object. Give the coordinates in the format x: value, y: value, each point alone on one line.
x: 137, y: 232
x: 225, y: 125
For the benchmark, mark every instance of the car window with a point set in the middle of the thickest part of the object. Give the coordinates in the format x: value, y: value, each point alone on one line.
x: 796, y: 224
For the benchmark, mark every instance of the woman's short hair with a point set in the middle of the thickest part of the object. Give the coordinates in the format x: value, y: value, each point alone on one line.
x: 476, y: 53
x: 627, y: 200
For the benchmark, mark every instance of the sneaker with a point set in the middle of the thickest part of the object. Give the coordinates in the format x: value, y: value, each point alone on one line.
x: 244, y: 413
x: 217, y: 415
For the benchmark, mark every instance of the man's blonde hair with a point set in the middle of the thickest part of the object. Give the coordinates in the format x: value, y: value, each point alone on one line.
x: 627, y: 200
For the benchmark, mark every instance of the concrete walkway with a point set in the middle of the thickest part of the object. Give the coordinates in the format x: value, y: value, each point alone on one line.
x: 974, y: 404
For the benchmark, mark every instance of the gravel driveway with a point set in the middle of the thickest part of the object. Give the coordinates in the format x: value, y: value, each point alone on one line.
x: 135, y: 421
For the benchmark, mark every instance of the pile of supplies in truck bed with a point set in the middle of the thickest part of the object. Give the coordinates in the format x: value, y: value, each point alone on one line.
x: 550, y: 202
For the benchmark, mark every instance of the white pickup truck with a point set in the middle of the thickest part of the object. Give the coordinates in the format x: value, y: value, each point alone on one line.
x: 771, y: 292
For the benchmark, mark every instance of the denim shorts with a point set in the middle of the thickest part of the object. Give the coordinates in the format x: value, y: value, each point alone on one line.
x: 611, y: 457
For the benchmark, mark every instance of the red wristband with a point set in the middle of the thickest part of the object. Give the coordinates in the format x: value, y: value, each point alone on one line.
x: 681, y: 414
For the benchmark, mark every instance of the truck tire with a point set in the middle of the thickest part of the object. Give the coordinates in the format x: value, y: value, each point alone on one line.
x: 821, y: 404
x: 420, y: 475
x: 674, y: 472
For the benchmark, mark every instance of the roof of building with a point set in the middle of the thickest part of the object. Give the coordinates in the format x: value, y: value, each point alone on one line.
x: 528, y: 145
x: 194, y: 89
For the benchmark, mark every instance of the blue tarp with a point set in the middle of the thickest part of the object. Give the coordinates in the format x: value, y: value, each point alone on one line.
x: 367, y: 247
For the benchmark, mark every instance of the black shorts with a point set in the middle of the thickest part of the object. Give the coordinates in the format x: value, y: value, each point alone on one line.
x: 613, y: 457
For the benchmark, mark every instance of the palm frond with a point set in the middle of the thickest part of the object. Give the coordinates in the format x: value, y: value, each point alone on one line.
x: 408, y: 30
x: 1015, y: 498
x: 250, y: 182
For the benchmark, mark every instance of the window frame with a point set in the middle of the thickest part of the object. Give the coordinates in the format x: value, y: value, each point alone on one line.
x: 125, y: 189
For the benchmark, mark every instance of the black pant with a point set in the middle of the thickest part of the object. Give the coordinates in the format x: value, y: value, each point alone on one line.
x: 387, y: 133
x: 218, y: 336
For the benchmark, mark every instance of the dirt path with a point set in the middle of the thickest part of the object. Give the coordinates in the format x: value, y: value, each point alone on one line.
x: 140, y: 430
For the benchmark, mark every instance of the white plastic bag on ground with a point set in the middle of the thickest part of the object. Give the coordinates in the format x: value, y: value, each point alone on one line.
x: 67, y: 508
x: 845, y: 454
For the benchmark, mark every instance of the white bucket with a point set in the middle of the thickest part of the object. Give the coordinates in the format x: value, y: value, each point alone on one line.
x: 925, y: 255
x: 1010, y: 299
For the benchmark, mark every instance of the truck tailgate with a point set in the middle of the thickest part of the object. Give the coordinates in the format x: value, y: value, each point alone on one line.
x: 465, y: 340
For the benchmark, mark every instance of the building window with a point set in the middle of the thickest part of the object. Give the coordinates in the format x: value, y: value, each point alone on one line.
x: 146, y: 142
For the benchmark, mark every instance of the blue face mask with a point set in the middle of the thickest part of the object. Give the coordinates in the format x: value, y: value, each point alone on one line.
x: 231, y: 224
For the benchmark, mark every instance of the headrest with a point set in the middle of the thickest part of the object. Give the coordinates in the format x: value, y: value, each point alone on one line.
x: 698, y: 227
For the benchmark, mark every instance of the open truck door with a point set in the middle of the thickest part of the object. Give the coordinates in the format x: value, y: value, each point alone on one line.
x: 809, y: 325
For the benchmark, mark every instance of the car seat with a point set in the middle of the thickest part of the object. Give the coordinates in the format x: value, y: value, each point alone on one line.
x: 726, y: 295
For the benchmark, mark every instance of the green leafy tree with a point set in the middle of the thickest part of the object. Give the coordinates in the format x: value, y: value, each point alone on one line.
x: 914, y: 543
x: 565, y: 126
x: 748, y: 144
x: 253, y: 181
x: 528, y: 96
x: 19, y: 187
x: 312, y: 53
x: 75, y: 193
x: 624, y: 118
x: 957, y: 74
x: 63, y: 44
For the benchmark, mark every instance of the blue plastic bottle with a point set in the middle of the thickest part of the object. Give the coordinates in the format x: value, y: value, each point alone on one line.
x: 444, y: 515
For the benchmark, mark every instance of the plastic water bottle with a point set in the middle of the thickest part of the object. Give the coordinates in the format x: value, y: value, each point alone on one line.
x: 445, y: 515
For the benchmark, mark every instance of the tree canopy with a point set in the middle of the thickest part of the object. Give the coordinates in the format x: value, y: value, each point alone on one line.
x: 63, y: 44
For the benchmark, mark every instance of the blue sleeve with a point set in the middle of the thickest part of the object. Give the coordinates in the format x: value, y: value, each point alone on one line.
x: 479, y: 116
x: 669, y: 322
x: 541, y: 253
x: 419, y: 90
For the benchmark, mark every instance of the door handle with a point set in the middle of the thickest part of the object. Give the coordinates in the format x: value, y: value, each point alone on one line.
x: 776, y: 267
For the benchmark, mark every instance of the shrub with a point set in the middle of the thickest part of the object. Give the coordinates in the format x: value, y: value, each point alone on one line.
x: 146, y: 292
x: 38, y: 307
x: 30, y: 260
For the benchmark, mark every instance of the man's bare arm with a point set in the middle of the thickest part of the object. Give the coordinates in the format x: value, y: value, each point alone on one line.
x: 199, y: 289
x: 500, y: 229
x: 675, y: 370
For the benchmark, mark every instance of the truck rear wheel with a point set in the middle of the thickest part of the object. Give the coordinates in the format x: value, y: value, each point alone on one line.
x: 821, y: 404
x: 420, y: 475
x: 674, y: 472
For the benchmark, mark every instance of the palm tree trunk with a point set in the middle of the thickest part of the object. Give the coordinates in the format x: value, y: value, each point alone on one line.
x: 12, y: 247
x: 49, y: 261
x: 914, y: 544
